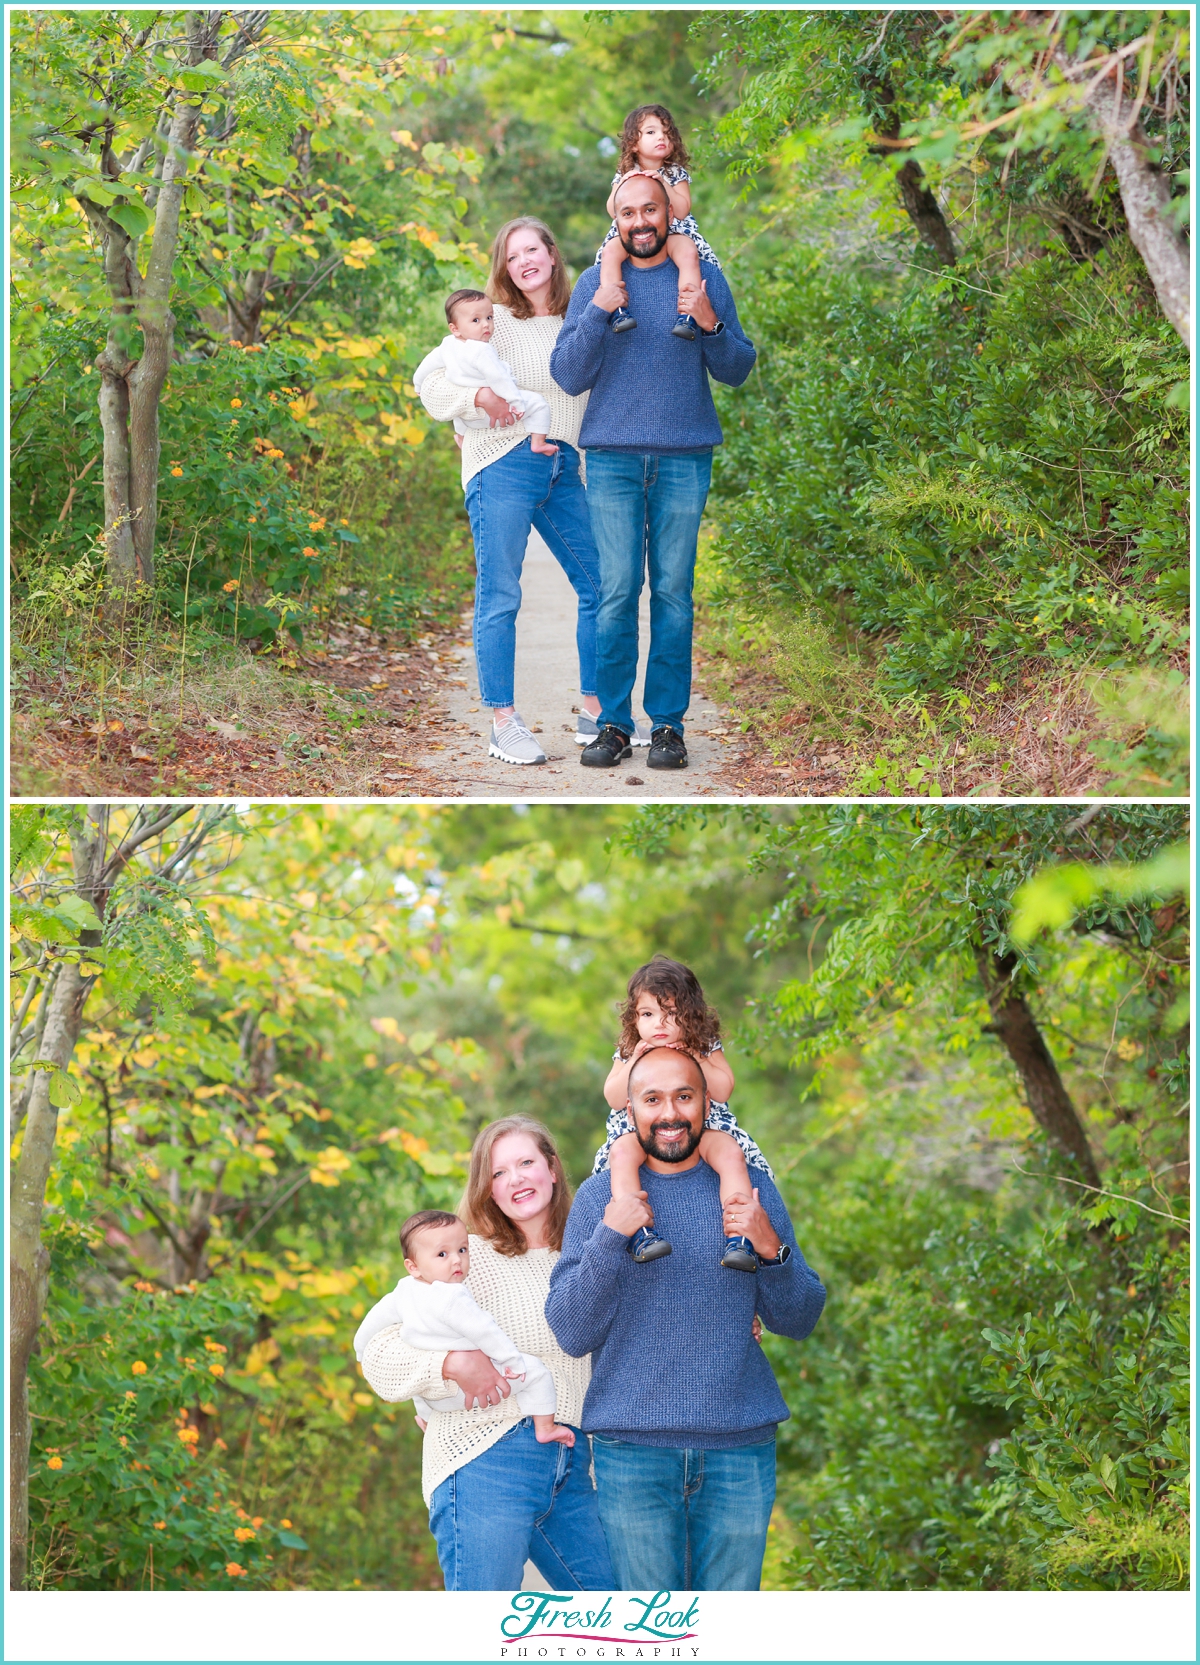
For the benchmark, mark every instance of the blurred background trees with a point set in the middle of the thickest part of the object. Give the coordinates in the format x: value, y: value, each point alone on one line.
x: 288, y: 1040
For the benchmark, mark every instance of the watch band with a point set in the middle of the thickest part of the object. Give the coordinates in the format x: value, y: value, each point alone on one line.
x: 781, y: 1259
x: 720, y: 330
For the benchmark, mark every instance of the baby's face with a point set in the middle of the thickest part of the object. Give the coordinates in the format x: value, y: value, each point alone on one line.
x: 655, y: 1022
x: 473, y: 321
x: 439, y: 1254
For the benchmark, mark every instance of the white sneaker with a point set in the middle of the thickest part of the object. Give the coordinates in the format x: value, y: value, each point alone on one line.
x: 587, y: 728
x: 513, y: 743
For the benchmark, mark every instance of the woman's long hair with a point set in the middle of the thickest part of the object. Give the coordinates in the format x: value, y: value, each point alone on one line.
x: 500, y: 286
x: 632, y: 132
x: 478, y: 1210
x: 677, y: 989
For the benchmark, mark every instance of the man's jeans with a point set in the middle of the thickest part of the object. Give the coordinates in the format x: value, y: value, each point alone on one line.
x: 520, y: 1501
x: 645, y: 511
x: 685, y: 1519
x: 519, y: 490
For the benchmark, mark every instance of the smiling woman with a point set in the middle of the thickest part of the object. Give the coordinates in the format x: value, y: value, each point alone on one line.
x: 498, y: 1495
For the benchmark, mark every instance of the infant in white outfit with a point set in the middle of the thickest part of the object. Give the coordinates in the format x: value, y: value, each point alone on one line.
x: 469, y: 360
x: 439, y: 1312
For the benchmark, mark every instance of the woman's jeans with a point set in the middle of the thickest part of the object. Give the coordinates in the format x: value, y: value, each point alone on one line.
x: 685, y: 1519
x: 520, y: 1501
x: 646, y: 510
x: 517, y: 491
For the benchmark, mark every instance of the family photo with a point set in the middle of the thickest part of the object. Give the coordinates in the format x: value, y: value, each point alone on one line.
x: 614, y: 404
x: 585, y: 1198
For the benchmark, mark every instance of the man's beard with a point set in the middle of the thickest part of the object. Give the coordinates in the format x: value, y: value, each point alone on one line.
x: 670, y: 1153
x: 641, y: 252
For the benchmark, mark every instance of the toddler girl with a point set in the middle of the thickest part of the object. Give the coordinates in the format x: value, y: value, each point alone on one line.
x: 666, y: 1007
x: 651, y: 143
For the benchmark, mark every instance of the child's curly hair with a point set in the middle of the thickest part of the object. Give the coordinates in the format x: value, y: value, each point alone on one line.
x: 632, y: 132
x: 676, y: 989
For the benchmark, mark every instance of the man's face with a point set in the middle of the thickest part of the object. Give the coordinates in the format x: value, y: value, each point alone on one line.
x: 668, y: 1104
x: 643, y: 218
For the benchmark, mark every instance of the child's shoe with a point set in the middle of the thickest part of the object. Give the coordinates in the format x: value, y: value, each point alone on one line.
x: 739, y: 1256
x: 643, y: 1245
x: 623, y: 319
x: 684, y: 327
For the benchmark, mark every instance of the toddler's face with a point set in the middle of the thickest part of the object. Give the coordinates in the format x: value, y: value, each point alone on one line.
x: 439, y: 1254
x: 653, y: 143
x: 655, y: 1022
x: 473, y: 321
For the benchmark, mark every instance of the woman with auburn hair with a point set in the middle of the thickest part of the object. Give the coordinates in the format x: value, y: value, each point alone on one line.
x: 497, y: 1498
x: 510, y: 488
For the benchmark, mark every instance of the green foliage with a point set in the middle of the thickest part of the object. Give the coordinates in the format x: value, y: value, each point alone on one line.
x: 125, y: 1491
x: 911, y: 452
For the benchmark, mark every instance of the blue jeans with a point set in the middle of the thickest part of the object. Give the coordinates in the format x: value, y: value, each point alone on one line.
x: 520, y: 1501
x: 646, y: 510
x: 685, y: 1519
x: 517, y: 491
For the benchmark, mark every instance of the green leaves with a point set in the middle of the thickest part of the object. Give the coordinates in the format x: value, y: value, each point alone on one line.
x: 132, y: 217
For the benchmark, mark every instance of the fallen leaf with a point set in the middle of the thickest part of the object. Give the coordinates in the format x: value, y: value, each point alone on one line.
x: 141, y: 755
x: 227, y: 731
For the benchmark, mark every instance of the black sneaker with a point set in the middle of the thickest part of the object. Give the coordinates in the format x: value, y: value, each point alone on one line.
x: 739, y: 1256
x: 645, y: 1245
x: 667, y: 750
x: 684, y: 327
x: 610, y: 747
x: 622, y: 319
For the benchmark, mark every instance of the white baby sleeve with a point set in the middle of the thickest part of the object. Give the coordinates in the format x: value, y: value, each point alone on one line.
x: 384, y: 1312
x: 436, y: 360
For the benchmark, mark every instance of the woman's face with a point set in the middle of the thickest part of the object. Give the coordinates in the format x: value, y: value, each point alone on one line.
x: 530, y: 263
x: 522, y: 1180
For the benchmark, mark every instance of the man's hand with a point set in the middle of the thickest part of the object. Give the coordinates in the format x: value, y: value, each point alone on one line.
x: 501, y: 412
x: 693, y: 299
x: 481, y: 1383
x: 628, y: 1214
x: 609, y: 296
x: 749, y: 1219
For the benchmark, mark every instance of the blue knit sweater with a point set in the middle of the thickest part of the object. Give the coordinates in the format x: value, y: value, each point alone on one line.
x: 673, y: 1359
x: 649, y: 388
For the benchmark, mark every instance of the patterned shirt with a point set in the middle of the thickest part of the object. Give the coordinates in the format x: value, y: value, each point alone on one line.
x: 687, y: 227
x: 720, y: 1118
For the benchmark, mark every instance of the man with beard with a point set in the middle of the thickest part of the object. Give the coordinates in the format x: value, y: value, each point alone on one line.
x: 649, y: 432
x: 682, y: 1406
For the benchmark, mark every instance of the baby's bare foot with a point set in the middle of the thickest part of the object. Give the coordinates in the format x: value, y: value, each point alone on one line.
x: 545, y: 1430
x: 538, y: 443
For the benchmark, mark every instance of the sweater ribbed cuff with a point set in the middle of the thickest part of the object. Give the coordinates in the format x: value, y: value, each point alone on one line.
x: 609, y: 1243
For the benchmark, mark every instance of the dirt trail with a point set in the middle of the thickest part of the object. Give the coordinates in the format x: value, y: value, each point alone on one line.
x: 547, y: 694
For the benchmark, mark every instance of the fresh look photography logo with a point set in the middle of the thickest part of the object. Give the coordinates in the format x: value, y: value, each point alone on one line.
x: 544, y: 1625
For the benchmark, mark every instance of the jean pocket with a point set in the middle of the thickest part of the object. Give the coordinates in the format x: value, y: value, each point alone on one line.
x: 607, y: 1439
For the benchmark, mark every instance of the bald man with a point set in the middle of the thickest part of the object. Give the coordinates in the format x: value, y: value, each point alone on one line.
x: 683, y: 1406
x: 649, y: 432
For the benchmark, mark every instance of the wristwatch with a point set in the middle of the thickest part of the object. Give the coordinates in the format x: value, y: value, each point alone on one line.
x: 720, y: 330
x: 781, y: 1259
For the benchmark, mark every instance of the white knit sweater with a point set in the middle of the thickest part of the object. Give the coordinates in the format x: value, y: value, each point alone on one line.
x: 525, y: 344
x: 513, y: 1289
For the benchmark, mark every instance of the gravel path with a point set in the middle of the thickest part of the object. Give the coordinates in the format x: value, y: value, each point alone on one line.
x: 547, y: 694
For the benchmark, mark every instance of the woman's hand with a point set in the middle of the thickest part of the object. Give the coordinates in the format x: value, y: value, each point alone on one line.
x: 755, y: 1331
x: 501, y: 412
x: 477, y: 1377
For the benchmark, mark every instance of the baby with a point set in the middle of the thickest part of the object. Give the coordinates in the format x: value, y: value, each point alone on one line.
x: 439, y: 1312
x: 469, y: 360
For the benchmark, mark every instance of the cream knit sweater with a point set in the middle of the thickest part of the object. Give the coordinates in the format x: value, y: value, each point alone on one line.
x: 513, y: 1289
x: 525, y: 344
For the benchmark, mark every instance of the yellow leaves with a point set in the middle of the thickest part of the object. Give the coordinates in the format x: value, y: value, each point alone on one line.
x: 211, y: 1346
x: 261, y: 1355
x: 358, y: 346
x: 363, y: 1398
x: 402, y: 136
x: 329, y: 1165
x: 1128, y: 1049
x: 307, y: 898
x: 400, y: 428
x: 358, y: 253
x: 388, y: 1028
x: 422, y: 233
x: 146, y: 1058
x: 412, y: 1146
x: 328, y: 1283
x: 209, y: 1092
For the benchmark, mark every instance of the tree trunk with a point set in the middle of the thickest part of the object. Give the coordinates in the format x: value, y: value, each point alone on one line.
x: 29, y: 1260
x: 1146, y: 197
x: 1048, y: 1099
x: 919, y: 201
